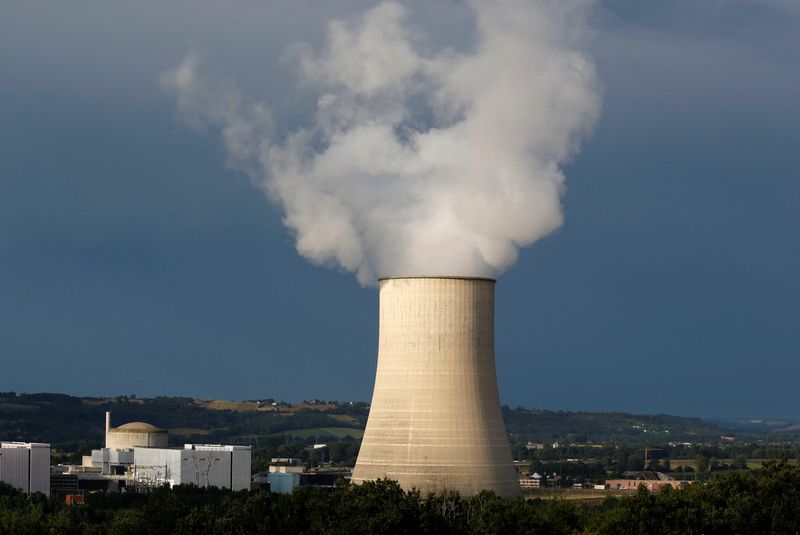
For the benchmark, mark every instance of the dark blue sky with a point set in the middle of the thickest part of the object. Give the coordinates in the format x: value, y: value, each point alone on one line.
x: 133, y: 261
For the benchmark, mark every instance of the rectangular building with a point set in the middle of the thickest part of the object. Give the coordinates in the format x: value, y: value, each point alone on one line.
x: 111, y: 461
x: 204, y: 465
x: 26, y: 466
x: 651, y: 485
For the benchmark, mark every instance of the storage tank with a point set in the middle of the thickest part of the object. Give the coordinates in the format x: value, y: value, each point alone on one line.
x: 435, y: 422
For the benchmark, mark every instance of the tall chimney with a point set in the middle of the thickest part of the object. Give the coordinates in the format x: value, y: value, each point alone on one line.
x: 108, y: 425
x: 435, y: 423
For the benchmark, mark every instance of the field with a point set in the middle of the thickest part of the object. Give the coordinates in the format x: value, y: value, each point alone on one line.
x: 187, y: 431
x: 586, y: 495
x: 337, y: 432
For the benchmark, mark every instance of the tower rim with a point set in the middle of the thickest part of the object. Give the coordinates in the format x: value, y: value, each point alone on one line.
x: 446, y: 277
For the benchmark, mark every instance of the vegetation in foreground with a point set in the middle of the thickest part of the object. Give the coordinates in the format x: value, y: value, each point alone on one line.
x: 766, y: 500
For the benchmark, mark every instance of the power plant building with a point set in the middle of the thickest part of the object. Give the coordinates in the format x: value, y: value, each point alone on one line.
x: 435, y: 422
x: 117, y: 456
x: 26, y: 466
x: 112, y: 462
x: 204, y: 465
x: 137, y: 455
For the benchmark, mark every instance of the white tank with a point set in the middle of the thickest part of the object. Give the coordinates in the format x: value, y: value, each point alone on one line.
x: 435, y: 422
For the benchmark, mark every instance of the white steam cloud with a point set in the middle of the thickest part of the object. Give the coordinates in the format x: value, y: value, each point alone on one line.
x: 418, y: 162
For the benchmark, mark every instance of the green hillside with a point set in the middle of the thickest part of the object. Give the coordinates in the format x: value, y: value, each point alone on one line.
x: 525, y: 425
x: 65, y: 421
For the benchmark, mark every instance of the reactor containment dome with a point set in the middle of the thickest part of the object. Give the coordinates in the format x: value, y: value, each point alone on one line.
x: 135, y: 434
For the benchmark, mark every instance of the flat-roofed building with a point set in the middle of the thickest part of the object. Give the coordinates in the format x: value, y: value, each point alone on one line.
x: 204, y: 465
x: 111, y: 462
x: 26, y: 466
x: 648, y: 479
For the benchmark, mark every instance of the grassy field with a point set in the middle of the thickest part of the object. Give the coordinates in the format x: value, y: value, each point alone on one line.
x: 187, y: 431
x: 250, y: 406
x: 692, y: 463
x: 757, y: 463
x: 338, y: 432
x: 569, y: 494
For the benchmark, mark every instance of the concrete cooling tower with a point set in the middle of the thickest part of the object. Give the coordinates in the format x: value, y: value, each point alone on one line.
x: 435, y: 423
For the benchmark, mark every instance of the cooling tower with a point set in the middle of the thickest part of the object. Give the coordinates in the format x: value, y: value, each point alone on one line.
x: 435, y: 423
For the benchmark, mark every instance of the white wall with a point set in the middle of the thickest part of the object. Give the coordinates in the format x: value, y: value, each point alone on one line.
x: 160, y: 465
x: 206, y: 468
x: 14, y: 467
x: 40, y: 468
x: 26, y: 466
x: 104, y: 458
x: 242, y: 459
x: 201, y: 465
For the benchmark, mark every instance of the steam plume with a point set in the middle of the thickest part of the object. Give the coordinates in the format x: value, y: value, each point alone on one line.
x: 418, y: 162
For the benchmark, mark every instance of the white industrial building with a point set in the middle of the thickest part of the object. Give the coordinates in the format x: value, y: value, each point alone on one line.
x: 111, y: 462
x: 116, y: 458
x: 136, y: 454
x: 26, y: 466
x: 204, y: 465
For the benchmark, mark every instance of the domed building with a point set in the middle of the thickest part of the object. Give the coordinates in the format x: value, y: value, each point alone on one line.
x: 135, y: 434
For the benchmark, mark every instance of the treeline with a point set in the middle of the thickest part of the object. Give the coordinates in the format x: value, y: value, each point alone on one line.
x: 763, y: 501
x: 336, y: 453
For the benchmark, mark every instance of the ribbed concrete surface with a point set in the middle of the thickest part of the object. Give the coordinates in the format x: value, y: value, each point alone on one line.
x: 435, y: 422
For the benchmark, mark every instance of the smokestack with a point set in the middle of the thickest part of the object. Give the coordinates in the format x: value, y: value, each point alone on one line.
x: 435, y: 423
x: 108, y: 425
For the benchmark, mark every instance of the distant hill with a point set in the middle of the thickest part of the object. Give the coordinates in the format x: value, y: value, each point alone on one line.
x: 66, y: 421
x: 525, y: 425
x: 773, y: 426
x: 69, y: 422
